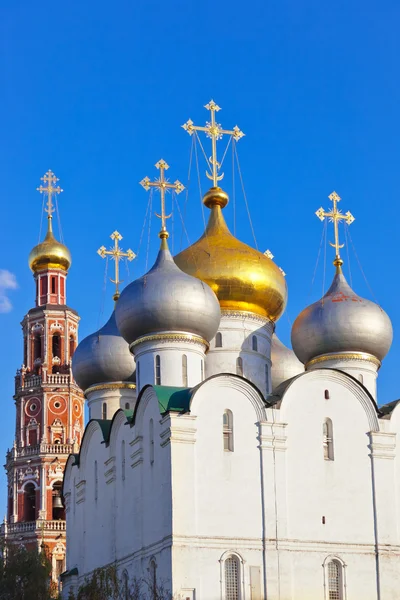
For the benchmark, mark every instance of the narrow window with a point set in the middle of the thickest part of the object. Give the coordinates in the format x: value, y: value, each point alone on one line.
x: 158, y: 370
x: 127, y: 406
x: 232, y: 578
x: 37, y: 347
x: 184, y: 371
x: 335, y: 580
x: 30, y: 502
x: 153, y: 580
x: 58, y: 512
x: 328, y: 439
x: 326, y: 394
x: 53, y: 285
x: 123, y: 460
x: 202, y: 370
x: 71, y: 346
x: 218, y: 340
x: 96, y: 482
x: 361, y: 379
x: 125, y: 578
x: 267, y: 379
x: 104, y: 411
x: 239, y: 366
x: 56, y: 346
x: 254, y: 343
x: 151, y: 441
x: 138, y: 376
x: 227, y: 430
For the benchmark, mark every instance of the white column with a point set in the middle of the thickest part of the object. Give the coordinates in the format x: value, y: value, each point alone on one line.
x: 43, y: 482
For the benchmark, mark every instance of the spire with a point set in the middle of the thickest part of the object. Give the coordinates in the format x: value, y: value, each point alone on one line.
x: 49, y: 191
x: 335, y: 216
x: 214, y: 131
x: 162, y: 184
x: 116, y: 254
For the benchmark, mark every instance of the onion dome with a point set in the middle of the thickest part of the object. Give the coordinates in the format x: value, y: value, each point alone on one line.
x: 285, y: 364
x: 242, y: 278
x: 103, y: 357
x: 49, y: 254
x: 167, y: 300
x: 342, y: 322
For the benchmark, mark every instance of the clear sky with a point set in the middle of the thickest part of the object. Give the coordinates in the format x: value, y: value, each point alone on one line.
x: 97, y: 92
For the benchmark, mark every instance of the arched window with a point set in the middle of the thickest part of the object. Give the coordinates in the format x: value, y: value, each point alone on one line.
x: 71, y: 346
x: 218, y: 340
x: 158, y: 370
x: 37, y: 347
x: 104, y: 411
x: 227, y: 430
x: 326, y: 395
x: 53, y: 284
x: 153, y: 580
x: 184, y: 371
x: 125, y: 583
x: 127, y: 406
x: 96, y: 482
x: 232, y: 578
x: 151, y: 441
x: 328, y: 439
x: 335, y: 580
x: 361, y: 378
x: 58, y: 506
x: 254, y: 343
x: 29, y: 502
x: 56, y: 346
x: 123, y: 460
x: 239, y: 366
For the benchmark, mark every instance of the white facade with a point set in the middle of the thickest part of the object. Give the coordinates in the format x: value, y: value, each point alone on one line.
x: 296, y: 500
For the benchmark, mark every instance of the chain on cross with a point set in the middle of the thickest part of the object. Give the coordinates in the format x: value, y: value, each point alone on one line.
x: 335, y: 216
x: 214, y: 131
x: 50, y: 190
x: 163, y: 186
x: 116, y: 254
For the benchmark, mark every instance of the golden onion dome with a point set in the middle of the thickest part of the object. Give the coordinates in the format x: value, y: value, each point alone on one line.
x: 242, y: 278
x: 50, y: 253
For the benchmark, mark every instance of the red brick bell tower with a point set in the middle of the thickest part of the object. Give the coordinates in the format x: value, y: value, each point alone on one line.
x: 49, y: 404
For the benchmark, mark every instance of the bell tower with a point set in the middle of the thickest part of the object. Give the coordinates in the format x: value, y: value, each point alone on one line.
x: 49, y: 404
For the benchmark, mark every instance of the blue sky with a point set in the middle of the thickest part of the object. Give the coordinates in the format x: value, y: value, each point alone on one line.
x: 97, y: 92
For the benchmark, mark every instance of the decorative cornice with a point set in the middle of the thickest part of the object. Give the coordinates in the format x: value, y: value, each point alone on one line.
x: 172, y: 336
x: 346, y: 356
x: 243, y: 314
x: 117, y: 385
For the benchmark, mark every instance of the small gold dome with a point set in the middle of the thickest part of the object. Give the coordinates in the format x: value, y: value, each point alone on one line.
x: 49, y: 254
x: 242, y: 278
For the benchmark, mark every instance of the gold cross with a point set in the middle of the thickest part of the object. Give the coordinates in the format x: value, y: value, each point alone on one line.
x: 214, y: 131
x: 116, y: 254
x: 49, y: 178
x: 163, y: 186
x: 335, y: 216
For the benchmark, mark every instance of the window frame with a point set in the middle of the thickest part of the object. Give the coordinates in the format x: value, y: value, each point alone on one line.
x: 342, y: 567
x: 227, y: 431
x: 157, y: 369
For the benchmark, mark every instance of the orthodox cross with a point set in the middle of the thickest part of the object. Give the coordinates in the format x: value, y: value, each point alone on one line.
x: 116, y: 254
x: 49, y: 178
x: 163, y: 185
x: 335, y: 216
x: 214, y: 131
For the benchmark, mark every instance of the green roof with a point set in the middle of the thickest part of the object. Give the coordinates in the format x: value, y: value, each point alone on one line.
x: 105, y: 426
x: 170, y: 398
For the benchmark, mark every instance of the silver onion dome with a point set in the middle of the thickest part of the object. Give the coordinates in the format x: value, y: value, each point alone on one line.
x: 103, y: 357
x: 166, y: 299
x: 341, y: 322
x: 285, y: 364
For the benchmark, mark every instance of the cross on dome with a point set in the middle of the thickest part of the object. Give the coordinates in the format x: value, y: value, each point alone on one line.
x: 214, y: 131
x: 163, y: 185
x: 116, y: 254
x: 50, y: 190
x: 335, y: 216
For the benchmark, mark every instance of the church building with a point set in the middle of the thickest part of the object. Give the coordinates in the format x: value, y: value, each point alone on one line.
x: 217, y: 463
x: 49, y: 404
